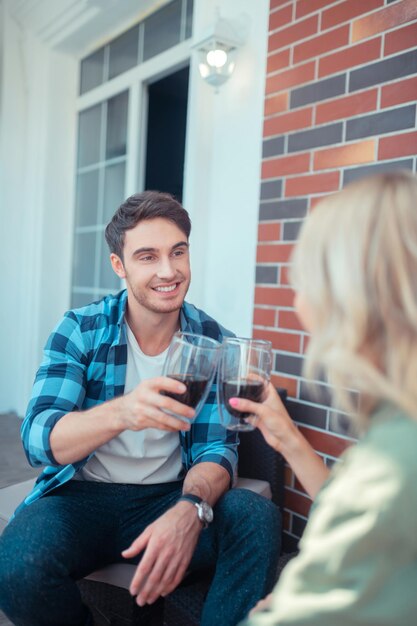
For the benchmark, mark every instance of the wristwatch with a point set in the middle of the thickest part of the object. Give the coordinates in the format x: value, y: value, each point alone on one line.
x: 204, y: 510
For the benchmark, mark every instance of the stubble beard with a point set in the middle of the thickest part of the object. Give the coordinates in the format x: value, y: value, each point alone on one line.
x: 145, y: 300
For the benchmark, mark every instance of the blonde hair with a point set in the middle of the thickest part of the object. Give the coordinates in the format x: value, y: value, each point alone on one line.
x: 356, y: 265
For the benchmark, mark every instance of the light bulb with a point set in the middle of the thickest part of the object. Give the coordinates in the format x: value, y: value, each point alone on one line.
x: 216, y: 58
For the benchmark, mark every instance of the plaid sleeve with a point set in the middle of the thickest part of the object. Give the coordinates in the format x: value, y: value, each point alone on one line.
x: 210, y: 441
x: 59, y: 388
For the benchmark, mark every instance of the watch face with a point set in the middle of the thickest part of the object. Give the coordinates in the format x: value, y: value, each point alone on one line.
x: 206, y: 512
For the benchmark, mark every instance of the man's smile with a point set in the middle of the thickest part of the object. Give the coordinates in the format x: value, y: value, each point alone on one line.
x: 166, y: 288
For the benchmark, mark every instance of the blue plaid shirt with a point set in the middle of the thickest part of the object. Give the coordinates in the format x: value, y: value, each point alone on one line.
x: 84, y: 365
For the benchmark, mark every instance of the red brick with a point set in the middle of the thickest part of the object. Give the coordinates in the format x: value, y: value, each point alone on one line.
x: 277, y: 3
x: 324, y: 442
x: 289, y: 319
x: 280, y: 17
x: 317, y: 183
x: 397, y: 146
x: 282, y: 166
x: 309, y: 6
x: 301, y: 118
x: 347, y: 106
x: 354, y: 55
x: 347, y: 11
x: 278, y: 61
x: 314, y: 200
x: 290, y: 384
x: 306, y: 341
x: 401, y: 39
x: 390, y: 17
x: 297, y: 502
x: 286, y: 521
x: 349, y: 154
x: 290, y: 78
x: 323, y: 43
x: 288, y: 476
x: 298, y: 486
x: 273, y: 253
x: 285, y: 275
x: 276, y: 104
x: 277, y: 296
x: 397, y: 93
x: 300, y: 30
x: 264, y: 317
x: 280, y: 341
x: 269, y: 232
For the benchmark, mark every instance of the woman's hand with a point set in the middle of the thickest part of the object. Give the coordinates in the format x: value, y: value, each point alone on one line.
x: 273, y: 421
x: 282, y: 434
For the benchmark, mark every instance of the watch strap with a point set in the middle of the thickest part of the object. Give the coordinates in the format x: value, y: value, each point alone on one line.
x: 190, y: 497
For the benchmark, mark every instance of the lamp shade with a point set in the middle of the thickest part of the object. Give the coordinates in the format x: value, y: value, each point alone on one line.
x: 217, y: 53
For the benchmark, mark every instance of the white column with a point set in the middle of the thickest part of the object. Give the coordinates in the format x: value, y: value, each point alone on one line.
x: 222, y: 170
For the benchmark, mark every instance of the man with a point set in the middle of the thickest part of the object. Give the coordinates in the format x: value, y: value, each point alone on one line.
x: 123, y: 479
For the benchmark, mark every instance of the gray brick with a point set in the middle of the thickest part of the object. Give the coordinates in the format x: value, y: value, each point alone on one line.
x: 282, y: 209
x: 319, y: 90
x: 306, y: 414
x: 380, y: 123
x: 321, y: 136
x: 342, y: 424
x: 273, y: 147
x: 289, y: 543
x: 383, y: 71
x: 271, y: 189
x: 288, y: 364
x: 368, y: 170
x: 291, y: 230
x: 298, y: 525
x: 266, y: 274
x: 319, y: 394
x: 331, y: 462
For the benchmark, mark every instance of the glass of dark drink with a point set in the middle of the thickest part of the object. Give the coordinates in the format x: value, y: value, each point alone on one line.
x: 192, y: 359
x: 244, y: 372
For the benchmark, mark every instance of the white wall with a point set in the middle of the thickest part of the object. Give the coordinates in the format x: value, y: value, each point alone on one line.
x: 37, y: 158
x: 223, y: 170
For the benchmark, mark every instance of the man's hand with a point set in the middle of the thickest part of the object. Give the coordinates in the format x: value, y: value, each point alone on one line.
x: 169, y: 543
x: 79, y: 433
x: 144, y: 406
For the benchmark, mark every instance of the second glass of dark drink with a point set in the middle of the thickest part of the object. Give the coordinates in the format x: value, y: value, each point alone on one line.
x: 244, y: 372
x: 192, y: 359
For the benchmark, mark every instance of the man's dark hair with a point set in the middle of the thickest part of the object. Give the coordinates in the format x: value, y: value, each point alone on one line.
x: 147, y: 205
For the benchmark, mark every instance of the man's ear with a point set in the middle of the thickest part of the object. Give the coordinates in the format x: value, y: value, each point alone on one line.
x: 117, y: 265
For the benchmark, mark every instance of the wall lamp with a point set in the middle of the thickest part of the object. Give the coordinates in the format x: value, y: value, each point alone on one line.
x: 217, y: 51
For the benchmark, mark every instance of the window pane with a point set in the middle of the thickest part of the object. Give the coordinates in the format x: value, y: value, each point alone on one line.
x: 84, y: 259
x: 162, y: 30
x: 124, y: 52
x: 189, y: 19
x: 89, y: 127
x: 87, y: 198
x: 117, y: 126
x: 108, y: 279
x: 114, y: 190
x: 81, y: 299
x: 92, y: 71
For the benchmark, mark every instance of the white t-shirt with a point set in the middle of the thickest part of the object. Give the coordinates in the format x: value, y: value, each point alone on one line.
x: 147, y: 456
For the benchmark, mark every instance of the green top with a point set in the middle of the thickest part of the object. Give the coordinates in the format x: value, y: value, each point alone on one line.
x: 358, y: 560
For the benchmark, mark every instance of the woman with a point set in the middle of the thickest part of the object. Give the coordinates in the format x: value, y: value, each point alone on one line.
x: 355, y: 273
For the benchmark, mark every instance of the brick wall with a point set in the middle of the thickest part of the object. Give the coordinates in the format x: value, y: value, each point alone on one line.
x: 340, y: 102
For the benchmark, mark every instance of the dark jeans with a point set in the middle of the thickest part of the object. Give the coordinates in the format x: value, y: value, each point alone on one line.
x: 82, y: 526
